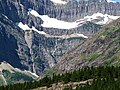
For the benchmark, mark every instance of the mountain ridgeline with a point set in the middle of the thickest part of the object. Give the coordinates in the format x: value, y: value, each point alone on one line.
x: 71, y: 11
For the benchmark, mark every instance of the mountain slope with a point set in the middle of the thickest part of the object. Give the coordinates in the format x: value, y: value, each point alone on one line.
x: 102, y: 49
x: 11, y: 75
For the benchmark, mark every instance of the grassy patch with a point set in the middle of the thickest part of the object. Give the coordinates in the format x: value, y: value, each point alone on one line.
x: 50, y: 72
x: 90, y: 57
x: 110, y: 30
x: 105, y: 33
x: 114, y: 60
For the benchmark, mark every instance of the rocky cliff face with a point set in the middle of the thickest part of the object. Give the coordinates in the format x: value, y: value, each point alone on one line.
x: 16, y: 10
x: 37, y: 52
x: 30, y: 50
x: 12, y: 44
x: 102, y: 49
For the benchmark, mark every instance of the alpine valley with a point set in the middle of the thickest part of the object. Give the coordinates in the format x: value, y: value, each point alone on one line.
x: 42, y: 37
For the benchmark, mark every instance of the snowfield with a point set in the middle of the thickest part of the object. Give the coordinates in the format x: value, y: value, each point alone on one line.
x: 52, y: 22
x: 25, y: 27
x: 97, y: 18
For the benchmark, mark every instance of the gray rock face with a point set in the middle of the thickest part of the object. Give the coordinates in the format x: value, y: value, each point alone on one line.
x: 16, y: 10
x: 45, y: 51
x: 35, y: 52
x: 87, y: 29
x: 13, y: 47
x: 102, y: 50
x: 30, y: 50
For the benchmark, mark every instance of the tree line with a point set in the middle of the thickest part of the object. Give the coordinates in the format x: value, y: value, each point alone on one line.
x: 104, y: 78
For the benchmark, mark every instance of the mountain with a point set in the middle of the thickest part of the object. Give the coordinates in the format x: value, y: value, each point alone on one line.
x: 25, y: 49
x: 35, y: 34
x: 101, y: 50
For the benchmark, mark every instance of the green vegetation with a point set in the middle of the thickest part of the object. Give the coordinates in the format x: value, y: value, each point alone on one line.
x: 118, y: 29
x: 109, y: 31
x: 1, y: 81
x: 114, y: 60
x: 105, y: 33
x: 108, y: 45
x: 93, y: 56
x: 50, y: 72
x: 90, y: 57
x: 104, y: 78
x: 17, y: 77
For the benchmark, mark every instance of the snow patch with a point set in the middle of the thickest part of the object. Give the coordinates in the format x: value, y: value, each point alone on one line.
x: 6, y: 17
x: 26, y: 27
x: 99, y: 18
x: 69, y: 36
x: 59, y: 1
x: 111, y: 1
x: 40, y: 32
x: 31, y: 73
x: 81, y: 35
x: 23, y: 26
x: 54, y: 23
